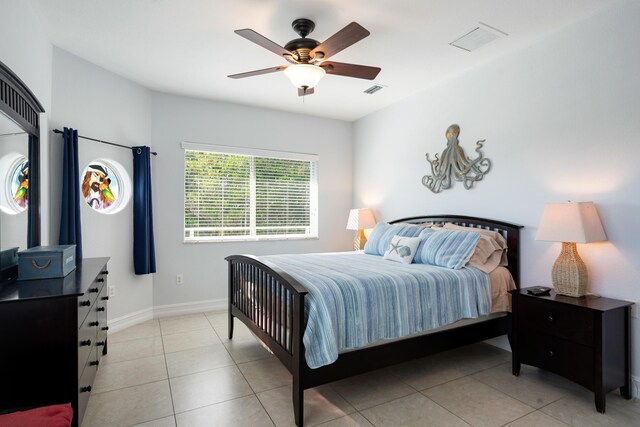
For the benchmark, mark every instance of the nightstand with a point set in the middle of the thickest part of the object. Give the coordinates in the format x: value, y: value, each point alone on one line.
x: 586, y: 340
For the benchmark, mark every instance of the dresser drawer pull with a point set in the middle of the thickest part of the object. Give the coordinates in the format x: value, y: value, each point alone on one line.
x: 85, y: 343
x: 85, y: 389
x: 105, y: 272
x: 94, y: 323
x: 85, y: 303
x: 100, y: 309
x: 551, y: 319
x: 99, y: 343
x: 93, y: 290
x: 40, y: 267
x: 94, y: 363
x: 550, y: 353
x: 100, y: 280
x: 105, y: 328
x: 105, y: 298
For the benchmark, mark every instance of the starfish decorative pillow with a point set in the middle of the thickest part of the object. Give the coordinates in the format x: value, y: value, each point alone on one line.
x: 402, y: 249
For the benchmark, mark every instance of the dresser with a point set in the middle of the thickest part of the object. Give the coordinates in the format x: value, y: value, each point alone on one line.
x: 53, y: 333
x: 586, y: 340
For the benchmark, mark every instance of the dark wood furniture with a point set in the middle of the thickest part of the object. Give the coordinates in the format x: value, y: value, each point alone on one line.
x: 586, y: 340
x: 53, y: 333
x: 275, y: 314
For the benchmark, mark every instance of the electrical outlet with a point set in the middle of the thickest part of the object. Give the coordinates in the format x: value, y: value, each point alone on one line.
x: 179, y: 279
x: 634, y: 310
x: 111, y: 291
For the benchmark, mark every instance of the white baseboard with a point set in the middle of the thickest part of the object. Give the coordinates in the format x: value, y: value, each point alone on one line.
x: 123, y: 322
x: 189, y: 307
x: 635, y: 386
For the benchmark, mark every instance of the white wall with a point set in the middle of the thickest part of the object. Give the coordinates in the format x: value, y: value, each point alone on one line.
x: 26, y: 50
x: 561, y: 120
x: 102, y: 105
x: 176, y: 119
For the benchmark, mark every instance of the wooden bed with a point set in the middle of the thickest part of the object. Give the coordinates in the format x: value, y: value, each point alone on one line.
x: 275, y: 314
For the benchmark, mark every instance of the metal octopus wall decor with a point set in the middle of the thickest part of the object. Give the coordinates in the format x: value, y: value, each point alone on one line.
x: 455, y: 165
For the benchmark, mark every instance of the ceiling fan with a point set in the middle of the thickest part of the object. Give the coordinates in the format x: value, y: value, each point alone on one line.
x: 309, y: 56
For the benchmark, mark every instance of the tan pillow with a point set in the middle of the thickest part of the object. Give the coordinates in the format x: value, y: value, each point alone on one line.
x: 423, y: 225
x: 491, y: 250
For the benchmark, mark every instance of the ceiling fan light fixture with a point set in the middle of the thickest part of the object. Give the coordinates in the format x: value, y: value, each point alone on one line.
x: 304, y: 75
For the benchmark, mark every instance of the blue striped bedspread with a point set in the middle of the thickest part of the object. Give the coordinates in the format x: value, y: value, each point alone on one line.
x: 357, y: 299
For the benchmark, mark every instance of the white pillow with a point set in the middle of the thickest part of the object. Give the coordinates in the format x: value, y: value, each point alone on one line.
x: 402, y: 249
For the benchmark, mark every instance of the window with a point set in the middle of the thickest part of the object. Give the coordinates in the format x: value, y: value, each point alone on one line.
x: 233, y: 194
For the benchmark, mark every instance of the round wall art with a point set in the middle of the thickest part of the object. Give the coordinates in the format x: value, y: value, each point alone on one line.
x: 14, y: 178
x: 105, y: 186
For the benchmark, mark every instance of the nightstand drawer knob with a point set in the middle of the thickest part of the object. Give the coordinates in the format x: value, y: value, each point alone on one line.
x: 551, y: 319
x: 85, y: 343
x: 550, y: 353
x: 86, y: 389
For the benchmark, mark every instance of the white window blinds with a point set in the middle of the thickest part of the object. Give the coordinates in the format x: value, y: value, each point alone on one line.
x: 234, y: 196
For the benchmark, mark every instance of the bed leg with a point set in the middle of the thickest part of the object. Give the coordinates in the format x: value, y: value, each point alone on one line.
x: 298, y: 403
x: 231, y: 317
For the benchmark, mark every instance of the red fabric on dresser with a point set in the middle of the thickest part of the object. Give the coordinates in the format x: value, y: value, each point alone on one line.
x: 47, y: 416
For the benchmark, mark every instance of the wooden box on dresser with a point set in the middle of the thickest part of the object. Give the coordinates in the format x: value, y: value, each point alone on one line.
x: 52, y: 335
x: 586, y: 340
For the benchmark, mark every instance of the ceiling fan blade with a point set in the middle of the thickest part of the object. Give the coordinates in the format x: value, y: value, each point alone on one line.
x: 350, y: 70
x: 341, y: 40
x: 257, y: 72
x: 261, y: 40
x: 304, y: 92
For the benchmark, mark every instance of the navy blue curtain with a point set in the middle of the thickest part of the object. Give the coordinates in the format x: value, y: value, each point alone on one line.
x: 144, y: 252
x: 70, y: 229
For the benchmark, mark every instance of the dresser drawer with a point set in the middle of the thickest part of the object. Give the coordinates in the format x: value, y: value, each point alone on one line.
x: 563, y: 321
x: 571, y: 360
x: 87, y: 335
x: 85, y: 384
x: 86, y: 301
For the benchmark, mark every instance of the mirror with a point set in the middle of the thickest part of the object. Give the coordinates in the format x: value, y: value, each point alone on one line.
x: 14, y: 184
x: 19, y: 171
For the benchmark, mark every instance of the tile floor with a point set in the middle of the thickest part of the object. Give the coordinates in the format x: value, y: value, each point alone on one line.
x: 183, y: 371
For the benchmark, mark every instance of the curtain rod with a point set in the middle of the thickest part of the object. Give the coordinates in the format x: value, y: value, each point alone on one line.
x: 103, y: 142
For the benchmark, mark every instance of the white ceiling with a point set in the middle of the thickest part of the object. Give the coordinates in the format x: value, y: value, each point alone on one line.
x: 188, y: 47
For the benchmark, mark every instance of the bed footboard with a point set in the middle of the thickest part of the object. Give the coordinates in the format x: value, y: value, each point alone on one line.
x: 271, y: 303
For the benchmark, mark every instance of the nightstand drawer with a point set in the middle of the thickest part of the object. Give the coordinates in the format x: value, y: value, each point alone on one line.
x: 573, y: 324
x: 571, y: 360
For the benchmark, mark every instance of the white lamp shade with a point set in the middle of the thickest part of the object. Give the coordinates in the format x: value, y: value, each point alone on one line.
x: 304, y: 75
x: 360, y: 219
x: 576, y: 222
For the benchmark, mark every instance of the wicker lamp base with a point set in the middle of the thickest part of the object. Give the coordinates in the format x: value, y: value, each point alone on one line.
x: 359, y: 241
x: 569, y: 275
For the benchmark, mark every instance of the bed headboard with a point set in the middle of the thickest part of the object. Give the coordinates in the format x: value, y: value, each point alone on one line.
x: 511, y: 232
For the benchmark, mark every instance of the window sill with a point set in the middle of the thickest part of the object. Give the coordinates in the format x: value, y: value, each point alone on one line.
x: 244, y: 239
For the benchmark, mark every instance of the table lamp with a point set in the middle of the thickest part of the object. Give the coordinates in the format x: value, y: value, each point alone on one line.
x: 359, y: 219
x: 570, y: 223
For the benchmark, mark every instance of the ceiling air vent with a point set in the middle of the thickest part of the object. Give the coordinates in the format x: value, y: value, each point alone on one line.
x: 373, y: 89
x: 478, y: 37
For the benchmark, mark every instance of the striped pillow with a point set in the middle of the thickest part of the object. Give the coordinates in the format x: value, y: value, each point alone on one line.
x: 446, y: 248
x: 381, y: 236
